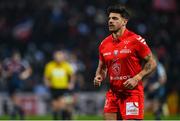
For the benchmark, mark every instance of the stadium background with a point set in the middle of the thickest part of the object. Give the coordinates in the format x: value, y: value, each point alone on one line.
x: 36, y: 27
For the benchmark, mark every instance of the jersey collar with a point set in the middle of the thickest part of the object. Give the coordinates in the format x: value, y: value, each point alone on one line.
x: 121, y: 38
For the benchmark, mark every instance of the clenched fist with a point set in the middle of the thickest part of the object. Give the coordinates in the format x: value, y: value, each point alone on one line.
x: 97, y: 80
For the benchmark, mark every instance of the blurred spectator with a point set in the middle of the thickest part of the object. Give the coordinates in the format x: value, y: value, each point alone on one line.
x: 15, y: 72
x: 78, y: 68
x: 58, y: 77
x: 155, y: 90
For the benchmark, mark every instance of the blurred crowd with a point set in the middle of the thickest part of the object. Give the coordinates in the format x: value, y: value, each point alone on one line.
x: 35, y: 28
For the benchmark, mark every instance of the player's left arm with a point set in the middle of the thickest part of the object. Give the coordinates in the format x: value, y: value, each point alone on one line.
x: 72, y: 76
x: 72, y: 81
x: 148, y: 68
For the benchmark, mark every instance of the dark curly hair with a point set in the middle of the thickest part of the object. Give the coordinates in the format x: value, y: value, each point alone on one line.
x: 119, y: 9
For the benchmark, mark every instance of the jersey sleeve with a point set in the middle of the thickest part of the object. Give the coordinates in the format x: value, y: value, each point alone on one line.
x: 161, y: 70
x: 47, y: 70
x: 100, y: 54
x: 25, y: 64
x: 69, y: 68
x: 142, y: 48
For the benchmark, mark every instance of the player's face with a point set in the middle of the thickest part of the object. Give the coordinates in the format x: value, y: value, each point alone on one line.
x: 116, y: 22
x: 16, y: 57
x: 59, y: 57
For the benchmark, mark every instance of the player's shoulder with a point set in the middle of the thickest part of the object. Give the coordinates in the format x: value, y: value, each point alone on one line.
x: 106, y: 40
x: 50, y: 64
x: 66, y: 63
x: 133, y: 35
x: 136, y: 37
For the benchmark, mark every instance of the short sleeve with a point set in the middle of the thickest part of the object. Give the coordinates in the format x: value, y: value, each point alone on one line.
x: 69, y: 68
x: 161, y: 70
x: 47, y: 70
x: 142, y: 48
x: 100, y: 54
x: 25, y: 64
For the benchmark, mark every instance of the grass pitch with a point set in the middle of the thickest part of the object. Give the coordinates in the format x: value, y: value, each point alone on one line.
x: 87, y: 117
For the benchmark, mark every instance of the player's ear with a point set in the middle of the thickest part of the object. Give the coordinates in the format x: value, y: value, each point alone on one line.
x: 125, y: 22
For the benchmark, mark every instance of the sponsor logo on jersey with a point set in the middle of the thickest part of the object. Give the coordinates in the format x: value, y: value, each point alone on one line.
x: 132, y: 108
x: 126, y: 42
x: 108, y: 53
x: 120, y: 77
x: 125, y: 50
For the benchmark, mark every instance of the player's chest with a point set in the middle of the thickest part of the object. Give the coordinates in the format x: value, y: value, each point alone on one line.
x: 58, y: 71
x: 122, y: 50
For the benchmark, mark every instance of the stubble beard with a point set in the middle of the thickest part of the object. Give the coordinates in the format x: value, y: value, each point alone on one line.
x: 114, y: 31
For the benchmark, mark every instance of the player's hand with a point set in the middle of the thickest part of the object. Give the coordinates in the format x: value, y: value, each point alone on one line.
x: 47, y: 84
x: 97, y: 80
x: 71, y: 86
x: 153, y: 87
x: 24, y: 75
x: 130, y: 83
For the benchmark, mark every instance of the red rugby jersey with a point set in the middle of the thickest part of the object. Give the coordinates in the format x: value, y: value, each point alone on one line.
x: 123, y: 59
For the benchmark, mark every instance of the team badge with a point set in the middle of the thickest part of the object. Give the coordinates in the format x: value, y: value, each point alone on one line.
x: 115, y: 52
x: 116, y: 68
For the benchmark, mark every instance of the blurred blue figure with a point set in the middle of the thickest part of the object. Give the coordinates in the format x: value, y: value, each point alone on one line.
x: 15, y: 71
x: 155, y: 90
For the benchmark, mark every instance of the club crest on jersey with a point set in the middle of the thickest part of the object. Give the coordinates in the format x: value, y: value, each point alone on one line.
x: 115, y: 52
x: 116, y: 68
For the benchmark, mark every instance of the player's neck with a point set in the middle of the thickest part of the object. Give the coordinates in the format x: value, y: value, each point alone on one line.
x: 119, y: 33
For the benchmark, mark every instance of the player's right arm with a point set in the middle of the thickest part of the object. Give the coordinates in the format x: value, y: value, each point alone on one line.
x: 47, y: 73
x: 100, y: 73
x: 27, y: 71
x: 46, y: 82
